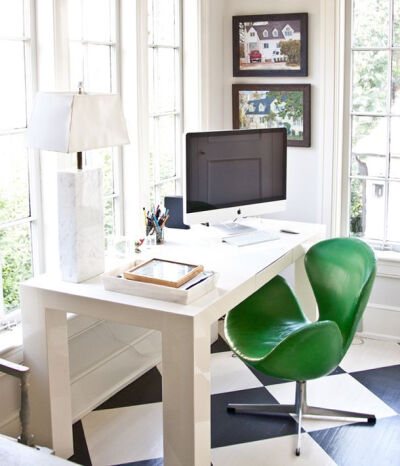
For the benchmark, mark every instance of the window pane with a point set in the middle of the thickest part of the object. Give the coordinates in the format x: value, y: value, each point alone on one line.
x: 11, y: 18
x: 164, y: 22
x: 99, y: 71
x: 369, y: 148
x: 12, y: 85
x: 103, y: 158
x: 75, y: 19
x: 167, y: 189
x: 396, y: 83
x: 367, y: 208
x: 97, y: 20
x: 396, y: 23
x: 370, y: 81
x: 109, y: 228
x: 14, y: 178
x: 395, y: 149
x: 166, y: 138
x: 164, y: 80
x: 16, y: 263
x: 153, y: 122
x: 370, y: 23
x: 393, y: 212
x: 75, y: 64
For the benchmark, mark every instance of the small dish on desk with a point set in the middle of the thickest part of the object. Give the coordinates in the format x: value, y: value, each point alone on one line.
x: 202, y: 283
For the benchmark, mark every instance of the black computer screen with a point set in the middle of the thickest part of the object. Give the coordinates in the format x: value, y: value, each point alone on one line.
x: 235, y: 168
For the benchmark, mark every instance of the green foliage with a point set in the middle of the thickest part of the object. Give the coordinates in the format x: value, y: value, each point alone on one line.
x: 290, y: 104
x: 291, y: 48
x: 356, y: 207
x: 15, y: 254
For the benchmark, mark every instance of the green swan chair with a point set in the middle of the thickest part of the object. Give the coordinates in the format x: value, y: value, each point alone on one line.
x: 269, y: 331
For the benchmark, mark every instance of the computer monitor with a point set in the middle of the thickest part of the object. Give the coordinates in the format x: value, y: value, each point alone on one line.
x: 234, y: 173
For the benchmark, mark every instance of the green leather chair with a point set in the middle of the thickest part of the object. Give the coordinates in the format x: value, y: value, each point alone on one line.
x: 269, y: 331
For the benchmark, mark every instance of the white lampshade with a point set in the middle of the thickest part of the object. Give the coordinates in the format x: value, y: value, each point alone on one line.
x: 66, y: 122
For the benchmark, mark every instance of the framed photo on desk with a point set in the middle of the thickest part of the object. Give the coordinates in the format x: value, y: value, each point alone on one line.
x: 163, y: 272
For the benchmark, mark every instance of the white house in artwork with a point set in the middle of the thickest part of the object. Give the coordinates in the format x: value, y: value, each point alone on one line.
x: 258, y: 111
x: 266, y: 36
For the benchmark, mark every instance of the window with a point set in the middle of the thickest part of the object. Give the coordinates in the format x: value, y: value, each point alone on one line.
x: 275, y: 33
x: 374, y: 160
x: 265, y: 33
x: 252, y: 34
x: 288, y: 32
x: 19, y: 251
x: 93, y: 61
x: 164, y: 85
x: 266, y: 46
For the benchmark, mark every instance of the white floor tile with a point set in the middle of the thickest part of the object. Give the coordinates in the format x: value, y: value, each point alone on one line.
x: 221, y: 324
x: 340, y: 391
x: 123, y: 435
x: 230, y: 373
x: 366, y: 353
x: 279, y: 451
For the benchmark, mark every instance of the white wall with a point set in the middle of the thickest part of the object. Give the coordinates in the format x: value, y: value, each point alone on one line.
x: 305, y: 165
x: 312, y: 194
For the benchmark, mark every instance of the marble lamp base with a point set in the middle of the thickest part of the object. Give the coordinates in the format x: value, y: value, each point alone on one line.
x: 80, y: 224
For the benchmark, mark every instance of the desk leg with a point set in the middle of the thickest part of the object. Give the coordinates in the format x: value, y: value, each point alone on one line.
x: 186, y: 392
x: 46, y: 353
x: 303, y: 290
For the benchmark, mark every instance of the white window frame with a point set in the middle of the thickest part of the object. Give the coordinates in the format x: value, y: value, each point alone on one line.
x: 347, y: 133
x: 116, y: 196
x: 178, y: 113
x: 35, y: 218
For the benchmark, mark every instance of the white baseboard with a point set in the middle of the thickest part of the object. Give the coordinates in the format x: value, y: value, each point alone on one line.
x: 381, y: 322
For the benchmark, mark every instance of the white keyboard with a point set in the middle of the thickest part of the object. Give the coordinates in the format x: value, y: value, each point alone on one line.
x: 254, y: 237
x: 233, y: 228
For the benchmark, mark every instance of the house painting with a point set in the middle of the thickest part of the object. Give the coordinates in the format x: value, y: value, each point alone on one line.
x: 258, y: 115
x: 265, y: 37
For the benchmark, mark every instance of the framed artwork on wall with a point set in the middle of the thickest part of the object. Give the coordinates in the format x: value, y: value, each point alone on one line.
x: 272, y: 106
x: 270, y: 45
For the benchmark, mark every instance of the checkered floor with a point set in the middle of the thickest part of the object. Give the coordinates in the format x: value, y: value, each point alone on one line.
x: 127, y: 429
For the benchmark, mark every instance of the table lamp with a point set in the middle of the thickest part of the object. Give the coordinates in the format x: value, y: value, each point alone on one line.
x: 68, y: 122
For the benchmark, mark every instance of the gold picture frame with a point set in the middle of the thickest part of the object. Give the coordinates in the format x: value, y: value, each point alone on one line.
x: 163, y: 272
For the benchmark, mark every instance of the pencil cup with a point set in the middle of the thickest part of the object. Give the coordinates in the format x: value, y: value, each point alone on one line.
x: 160, y: 236
x: 150, y: 236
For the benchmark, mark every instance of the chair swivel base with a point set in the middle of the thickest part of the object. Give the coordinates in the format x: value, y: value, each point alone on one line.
x: 300, y: 408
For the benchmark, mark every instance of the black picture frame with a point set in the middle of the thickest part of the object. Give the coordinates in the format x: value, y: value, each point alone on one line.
x: 259, y: 109
x: 270, y: 61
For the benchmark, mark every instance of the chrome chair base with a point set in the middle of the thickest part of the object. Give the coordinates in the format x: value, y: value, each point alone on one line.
x: 300, y: 409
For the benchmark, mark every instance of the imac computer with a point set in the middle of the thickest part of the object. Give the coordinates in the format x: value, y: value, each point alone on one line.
x: 233, y: 174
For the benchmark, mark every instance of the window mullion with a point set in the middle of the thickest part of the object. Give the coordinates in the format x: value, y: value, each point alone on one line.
x: 388, y: 111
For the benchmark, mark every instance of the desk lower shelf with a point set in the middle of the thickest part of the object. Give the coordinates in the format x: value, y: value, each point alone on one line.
x: 106, y: 357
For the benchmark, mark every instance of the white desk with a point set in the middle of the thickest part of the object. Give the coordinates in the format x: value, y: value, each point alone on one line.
x: 185, y: 332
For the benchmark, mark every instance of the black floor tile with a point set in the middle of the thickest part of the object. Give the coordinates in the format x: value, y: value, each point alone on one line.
x: 266, y: 379
x: 81, y: 452
x: 338, y: 370
x: 219, y: 346
x: 363, y: 444
x: 146, y: 389
x: 228, y: 428
x: 153, y: 462
x: 384, y: 382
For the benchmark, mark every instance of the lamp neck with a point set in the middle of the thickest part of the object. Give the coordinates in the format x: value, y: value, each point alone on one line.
x: 79, y: 160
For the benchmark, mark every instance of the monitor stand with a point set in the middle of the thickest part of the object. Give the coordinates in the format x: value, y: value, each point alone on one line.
x: 233, y: 228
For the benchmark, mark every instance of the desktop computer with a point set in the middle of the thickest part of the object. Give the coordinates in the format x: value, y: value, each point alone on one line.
x: 234, y: 174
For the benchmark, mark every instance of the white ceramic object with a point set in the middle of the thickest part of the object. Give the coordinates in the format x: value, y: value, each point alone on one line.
x: 80, y: 224
x: 113, y: 282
